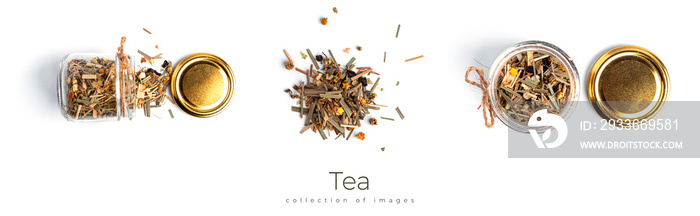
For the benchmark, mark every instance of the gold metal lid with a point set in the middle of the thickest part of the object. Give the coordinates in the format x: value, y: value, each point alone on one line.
x: 203, y: 85
x: 628, y: 83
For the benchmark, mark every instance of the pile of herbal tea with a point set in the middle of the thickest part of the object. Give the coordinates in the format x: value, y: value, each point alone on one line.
x: 334, y: 97
x: 148, y: 86
x: 92, y: 91
x: 531, y: 81
x: 151, y: 84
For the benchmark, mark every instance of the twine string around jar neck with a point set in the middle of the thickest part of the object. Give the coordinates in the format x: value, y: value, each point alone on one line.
x: 484, y: 86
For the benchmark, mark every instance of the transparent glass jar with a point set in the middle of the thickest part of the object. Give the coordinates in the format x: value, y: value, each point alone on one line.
x: 95, y: 87
x: 524, y: 47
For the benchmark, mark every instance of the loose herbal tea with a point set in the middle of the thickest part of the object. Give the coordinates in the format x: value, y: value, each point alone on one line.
x: 147, y: 85
x: 151, y: 84
x: 151, y: 87
x: 531, y: 81
x: 525, y: 78
x: 92, y: 91
x: 107, y: 87
x: 334, y: 97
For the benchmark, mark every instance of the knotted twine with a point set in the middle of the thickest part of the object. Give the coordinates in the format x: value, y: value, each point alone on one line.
x: 484, y: 86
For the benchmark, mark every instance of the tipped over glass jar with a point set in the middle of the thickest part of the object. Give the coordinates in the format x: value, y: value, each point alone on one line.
x: 530, y: 76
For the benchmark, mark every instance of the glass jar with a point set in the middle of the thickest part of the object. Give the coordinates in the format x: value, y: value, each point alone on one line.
x: 496, y: 72
x: 95, y: 87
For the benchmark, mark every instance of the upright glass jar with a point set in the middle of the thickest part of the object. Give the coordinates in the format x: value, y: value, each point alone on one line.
x: 95, y: 87
x: 497, y: 73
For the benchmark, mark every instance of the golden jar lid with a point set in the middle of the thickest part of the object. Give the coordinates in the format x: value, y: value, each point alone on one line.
x: 628, y: 83
x: 203, y: 85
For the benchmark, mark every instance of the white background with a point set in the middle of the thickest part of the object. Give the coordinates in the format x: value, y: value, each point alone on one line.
x: 250, y: 158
